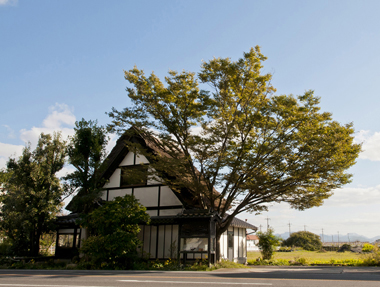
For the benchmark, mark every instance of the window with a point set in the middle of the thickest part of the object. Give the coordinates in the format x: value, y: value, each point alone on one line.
x: 67, y: 240
x: 136, y: 175
x: 194, y: 244
x: 230, y: 238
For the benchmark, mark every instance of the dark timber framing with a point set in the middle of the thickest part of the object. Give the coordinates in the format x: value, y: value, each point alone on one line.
x: 175, y: 216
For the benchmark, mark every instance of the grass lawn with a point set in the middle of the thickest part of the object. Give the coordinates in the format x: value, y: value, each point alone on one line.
x: 310, y: 255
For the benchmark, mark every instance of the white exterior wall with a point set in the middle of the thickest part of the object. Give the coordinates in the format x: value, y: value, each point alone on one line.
x: 158, y: 241
x: 223, y: 245
x: 158, y: 195
x: 252, y: 245
x: 114, y: 180
x: 239, y: 248
x: 166, y: 244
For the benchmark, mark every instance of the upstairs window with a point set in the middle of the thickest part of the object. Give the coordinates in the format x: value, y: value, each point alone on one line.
x: 136, y: 175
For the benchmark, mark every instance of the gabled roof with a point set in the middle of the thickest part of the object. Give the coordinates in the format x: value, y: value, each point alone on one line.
x: 121, y: 149
x: 236, y: 222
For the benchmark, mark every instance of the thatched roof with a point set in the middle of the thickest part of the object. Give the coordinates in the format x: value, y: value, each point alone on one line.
x: 121, y: 149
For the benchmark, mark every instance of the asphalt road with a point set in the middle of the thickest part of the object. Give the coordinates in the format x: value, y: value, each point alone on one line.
x: 256, y: 276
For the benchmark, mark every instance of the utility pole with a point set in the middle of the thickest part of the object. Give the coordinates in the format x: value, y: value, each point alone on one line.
x: 267, y: 223
x: 260, y: 227
x: 338, y: 239
x: 289, y: 229
x: 323, y: 237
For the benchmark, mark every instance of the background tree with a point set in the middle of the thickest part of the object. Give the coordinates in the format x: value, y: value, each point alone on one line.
x: 86, y: 152
x: 241, y: 139
x: 268, y: 243
x: 32, y: 194
x: 114, y: 228
x: 304, y: 239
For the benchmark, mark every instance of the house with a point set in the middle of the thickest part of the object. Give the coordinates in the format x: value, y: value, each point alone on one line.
x: 252, y: 243
x: 179, y: 228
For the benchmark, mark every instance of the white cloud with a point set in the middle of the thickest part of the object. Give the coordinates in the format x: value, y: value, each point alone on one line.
x: 354, y: 196
x: 7, y: 150
x: 8, y: 2
x: 111, y: 142
x: 371, y: 145
x: 60, y: 115
x: 59, y: 119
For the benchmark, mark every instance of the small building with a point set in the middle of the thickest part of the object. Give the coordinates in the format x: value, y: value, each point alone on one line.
x: 252, y: 243
x: 179, y: 228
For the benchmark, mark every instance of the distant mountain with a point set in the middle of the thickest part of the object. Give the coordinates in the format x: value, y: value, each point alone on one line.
x: 351, y: 237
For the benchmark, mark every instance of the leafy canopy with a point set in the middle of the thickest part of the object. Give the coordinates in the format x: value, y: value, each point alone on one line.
x: 239, y: 137
x: 33, y: 194
x: 304, y: 239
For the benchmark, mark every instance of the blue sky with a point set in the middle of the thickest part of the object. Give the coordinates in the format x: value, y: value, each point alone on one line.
x: 61, y: 61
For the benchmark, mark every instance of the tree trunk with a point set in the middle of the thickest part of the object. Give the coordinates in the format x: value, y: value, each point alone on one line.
x: 86, y: 235
x: 217, y: 248
x: 35, y: 243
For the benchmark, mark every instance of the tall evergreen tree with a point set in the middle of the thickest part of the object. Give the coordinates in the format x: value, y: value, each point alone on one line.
x: 86, y: 152
x: 32, y: 194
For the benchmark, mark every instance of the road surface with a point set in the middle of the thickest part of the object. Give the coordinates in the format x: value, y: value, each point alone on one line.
x: 250, y: 277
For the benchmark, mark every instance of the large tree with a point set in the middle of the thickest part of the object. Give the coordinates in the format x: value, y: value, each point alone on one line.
x: 32, y: 194
x: 254, y: 147
x: 86, y: 152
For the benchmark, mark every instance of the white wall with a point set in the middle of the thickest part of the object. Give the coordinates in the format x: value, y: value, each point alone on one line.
x: 239, y: 237
x: 165, y: 238
x: 148, y: 196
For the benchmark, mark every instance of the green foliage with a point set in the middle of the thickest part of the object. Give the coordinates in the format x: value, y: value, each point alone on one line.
x: 373, y: 258
x: 86, y: 152
x: 33, y: 194
x: 345, y: 247
x: 268, y: 243
x: 367, y: 247
x: 255, y: 147
x: 114, y: 227
x: 285, y: 249
x: 304, y: 239
x: 6, y: 247
x: 46, y: 242
x: 275, y: 262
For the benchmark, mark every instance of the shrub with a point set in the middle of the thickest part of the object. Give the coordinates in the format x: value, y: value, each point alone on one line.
x: 304, y: 239
x: 372, y: 259
x: 345, y: 247
x: 114, y: 228
x: 5, y: 247
x: 268, y: 243
x: 367, y: 247
x: 284, y: 249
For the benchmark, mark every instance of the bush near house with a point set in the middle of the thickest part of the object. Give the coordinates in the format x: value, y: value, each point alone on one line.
x: 114, y: 228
